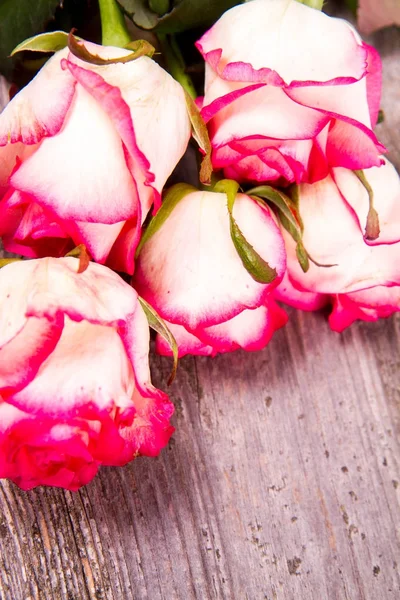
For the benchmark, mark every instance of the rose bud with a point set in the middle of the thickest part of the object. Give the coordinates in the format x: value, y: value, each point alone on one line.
x: 85, y: 151
x: 75, y: 384
x: 358, y: 274
x: 289, y: 93
x: 193, y: 274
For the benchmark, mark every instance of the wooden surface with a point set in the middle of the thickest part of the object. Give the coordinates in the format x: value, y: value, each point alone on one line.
x: 282, y: 481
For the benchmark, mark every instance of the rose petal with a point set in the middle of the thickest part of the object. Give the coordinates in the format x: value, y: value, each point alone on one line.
x: 97, y: 381
x: 131, y: 94
x: 385, y: 183
x: 40, y: 108
x: 251, y: 330
x: 332, y: 236
x: 190, y: 270
x: 287, y: 292
x: 187, y: 342
x: 99, y: 187
x: 330, y: 47
x: 366, y: 305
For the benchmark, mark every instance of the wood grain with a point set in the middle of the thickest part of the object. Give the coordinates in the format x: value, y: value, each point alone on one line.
x: 282, y: 481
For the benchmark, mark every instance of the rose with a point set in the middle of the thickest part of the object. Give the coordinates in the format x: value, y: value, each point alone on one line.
x: 289, y: 93
x: 190, y: 271
x: 374, y: 15
x: 75, y: 388
x: 359, y: 277
x: 85, y: 152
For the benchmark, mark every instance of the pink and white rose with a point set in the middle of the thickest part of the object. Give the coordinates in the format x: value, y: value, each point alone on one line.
x: 363, y: 281
x: 290, y: 92
x: 75, y: 389
x: 190, y: 271
x: 85, y: 151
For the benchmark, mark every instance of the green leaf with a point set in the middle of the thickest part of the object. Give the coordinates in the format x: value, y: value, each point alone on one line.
x: 44, y: 42
x: 288, y: 213
x: 256, y: 266
x: 288, y: 216
x: 139, y: 47
x: 200, y: 134
x: 20, y: 19
x: 159, y: 325
x: 183, y: 14
x: 170, y: 200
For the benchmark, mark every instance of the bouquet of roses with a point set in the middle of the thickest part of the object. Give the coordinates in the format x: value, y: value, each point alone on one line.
x: 294, y: 203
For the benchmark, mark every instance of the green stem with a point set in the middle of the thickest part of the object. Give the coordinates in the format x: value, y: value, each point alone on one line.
x: 176, y: 64
x: 113, y: 28
x: 318, y: 4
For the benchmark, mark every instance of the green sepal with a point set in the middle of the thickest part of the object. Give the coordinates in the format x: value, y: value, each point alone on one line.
x: 256, y: 266
x: 44, y: 42
x: 287, y: 209
x: 158, y: 324
x: 285, y: 205
x: 288, y: 216
x: 302, y: 256
x: 171, y: 198
x: 372, y: 228
x: 7, y: 261
x: 200, y: 134
x: 139, y: 47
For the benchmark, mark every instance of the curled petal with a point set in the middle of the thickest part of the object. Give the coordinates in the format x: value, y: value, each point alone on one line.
x: 330, y: 47
x: 39, y: 109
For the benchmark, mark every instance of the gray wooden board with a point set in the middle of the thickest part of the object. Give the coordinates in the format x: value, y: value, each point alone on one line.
x: 282, y: 481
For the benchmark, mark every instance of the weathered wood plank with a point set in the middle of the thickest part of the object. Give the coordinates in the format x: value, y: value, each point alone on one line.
x: 282, y: 480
